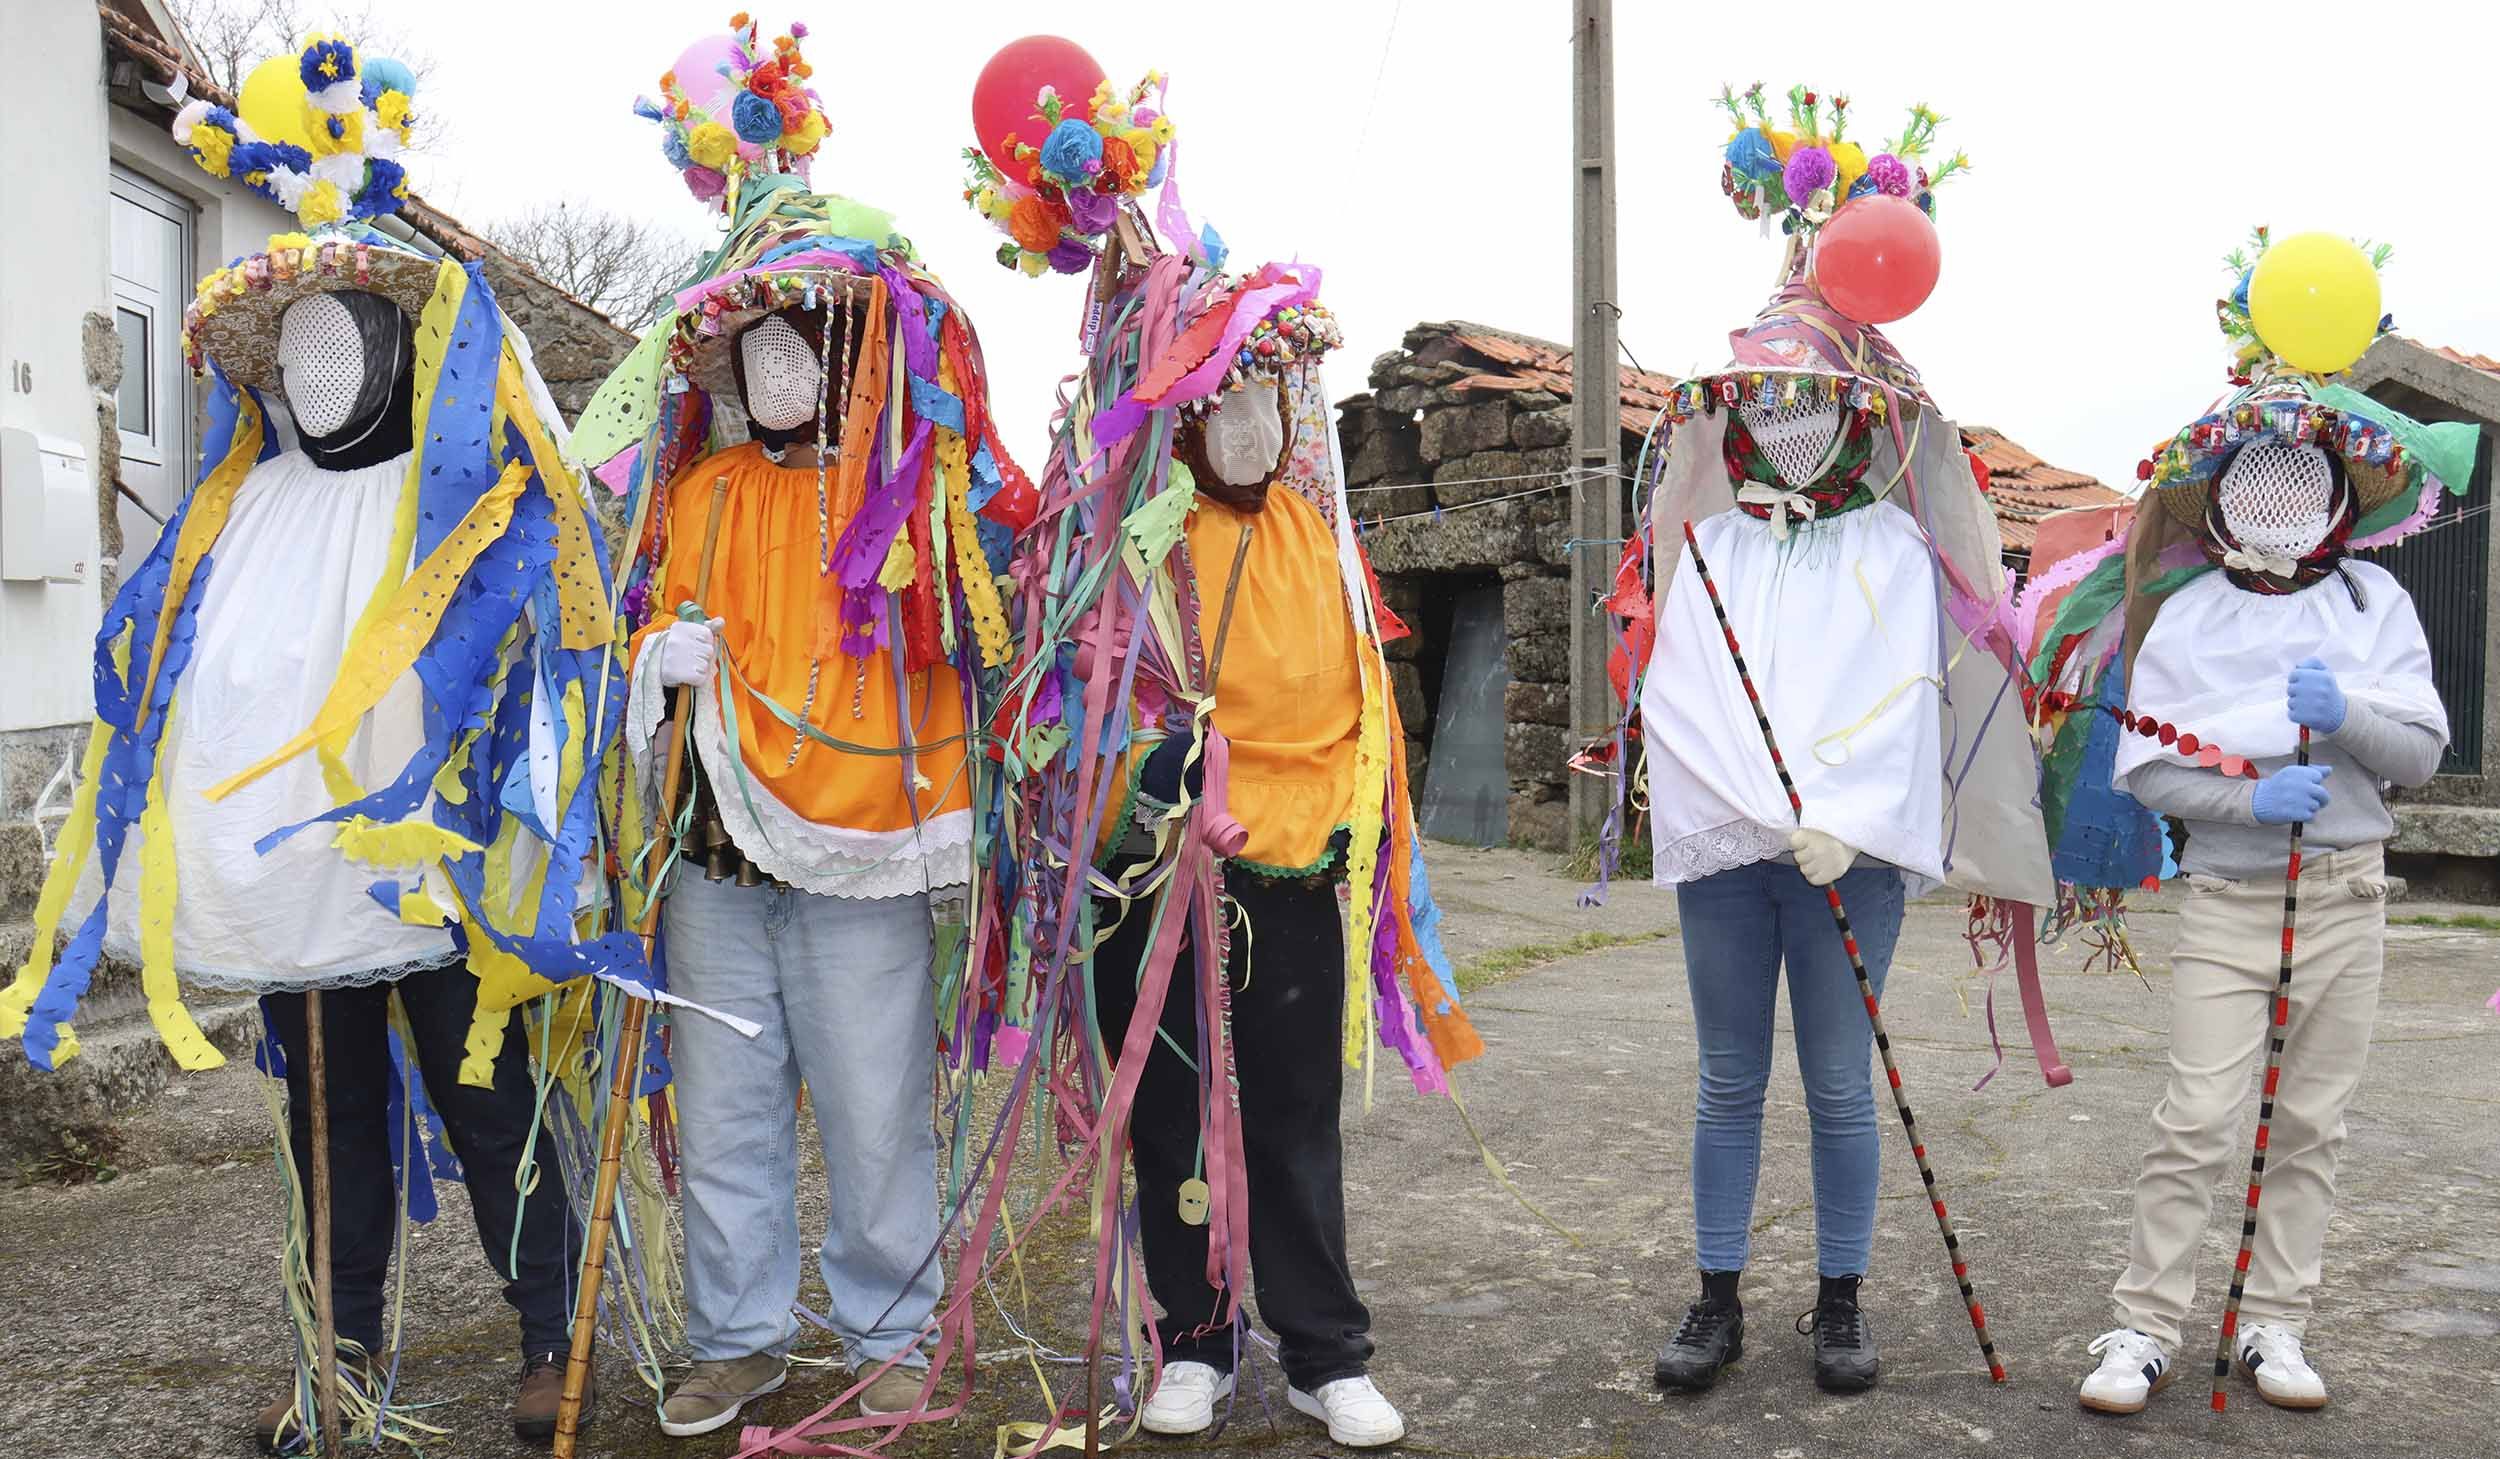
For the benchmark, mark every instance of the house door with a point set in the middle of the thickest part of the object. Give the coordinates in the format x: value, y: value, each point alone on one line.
x: 151, y: 282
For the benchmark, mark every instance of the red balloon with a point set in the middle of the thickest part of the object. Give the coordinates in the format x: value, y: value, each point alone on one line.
x: 1003, y: 98
x: 1877, y: 259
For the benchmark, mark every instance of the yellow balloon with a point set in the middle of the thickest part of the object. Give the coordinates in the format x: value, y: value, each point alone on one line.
x: 2314, y: 301
x: 272, y: 104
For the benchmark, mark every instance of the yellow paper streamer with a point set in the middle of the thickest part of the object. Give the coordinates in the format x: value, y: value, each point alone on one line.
x: 157, y: 881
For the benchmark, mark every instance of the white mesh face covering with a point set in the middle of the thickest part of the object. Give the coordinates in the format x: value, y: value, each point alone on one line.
x: 1246, y: 434
x: 785, y: 384
x: 321, y: 363
x: 2279, y: 500
x: 1798, y: 437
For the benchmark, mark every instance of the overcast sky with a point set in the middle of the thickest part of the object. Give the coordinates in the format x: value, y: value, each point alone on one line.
x: 1420, y: 151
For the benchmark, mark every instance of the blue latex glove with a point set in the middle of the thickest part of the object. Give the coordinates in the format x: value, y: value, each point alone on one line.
x: 2293, y: 793
x: 2314, y: 698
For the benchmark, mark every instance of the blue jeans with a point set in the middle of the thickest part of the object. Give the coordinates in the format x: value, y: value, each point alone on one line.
x: 1738, y: 926
x: 842, y: 990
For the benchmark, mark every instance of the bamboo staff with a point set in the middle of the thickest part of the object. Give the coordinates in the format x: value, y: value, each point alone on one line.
x: 1866, y: 986
x: 2265, y: 1102
x: 628, y: 1057
x: 325, y: 1307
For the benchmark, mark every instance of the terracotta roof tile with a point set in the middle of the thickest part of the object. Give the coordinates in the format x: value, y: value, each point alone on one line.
x: 2484, y: 363
x: 1524, y: 362
x: 2022, y: 488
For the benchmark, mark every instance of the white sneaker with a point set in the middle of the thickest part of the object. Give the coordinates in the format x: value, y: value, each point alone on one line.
x: 1184, y: 1401
x: 2271, y: 1354
x: 2133, y: 1368
x: 1356, y: 1415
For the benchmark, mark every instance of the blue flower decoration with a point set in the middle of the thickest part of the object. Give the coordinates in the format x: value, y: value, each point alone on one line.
x: 1073, y: 153
x: 326, y: 63
x: 755, y: 119
x: 1864, y: 186
x: 673, y: 147
x: 1749, y: 152
x: 2239, y: 291
x: 379, y: 195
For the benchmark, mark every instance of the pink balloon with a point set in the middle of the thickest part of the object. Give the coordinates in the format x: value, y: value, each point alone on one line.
x: 698, y: 72
x: 1877, y: 259
x: 1004, y: 95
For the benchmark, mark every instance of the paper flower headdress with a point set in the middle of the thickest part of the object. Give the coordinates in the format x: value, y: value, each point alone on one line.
x: 318, y: 133
x: 734, y: 106
x: 1804, y: 171
x: 1094, y: 155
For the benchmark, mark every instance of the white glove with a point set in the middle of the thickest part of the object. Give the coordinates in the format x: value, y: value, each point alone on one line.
x: 686, y: 651
x: 1824, y: 859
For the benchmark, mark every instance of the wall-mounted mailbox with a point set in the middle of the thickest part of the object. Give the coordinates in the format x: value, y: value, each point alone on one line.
x: 47, y: 510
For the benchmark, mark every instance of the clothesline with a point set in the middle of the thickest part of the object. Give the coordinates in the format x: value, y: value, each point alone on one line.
x: 1368, y: 524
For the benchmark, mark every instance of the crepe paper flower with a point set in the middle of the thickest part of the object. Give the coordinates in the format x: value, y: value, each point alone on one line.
x: 740, y: 21
x: 705, y: 183
x: 392, y: 110
x: 1071, y: 257
x: 386, y: 186
x: 1073, y: 153
x: 1850, y: 159
x: 1090, y: 211
x: 1119, y: 165
x: 1033, y: 227
x: 1890, y: 175
x: 1749, y: 153
x: 810, y: 132
x: 326, y: 62
x: 711, y: 145
x: 798, y: 30
x: 212, y: 141
x: 756, y: 118
x: 1810, y: 170
x: 673, y: 147
x: 322, y: 203
x: 1783, y: 144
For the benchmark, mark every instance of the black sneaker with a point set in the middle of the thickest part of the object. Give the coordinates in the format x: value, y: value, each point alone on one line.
x: 1711, y: 1337
x: 1844, y: 1345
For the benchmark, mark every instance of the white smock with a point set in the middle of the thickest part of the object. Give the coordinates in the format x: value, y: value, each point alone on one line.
x: 1838, y: 623
x: 291, y: 572
x: 2217, y: 657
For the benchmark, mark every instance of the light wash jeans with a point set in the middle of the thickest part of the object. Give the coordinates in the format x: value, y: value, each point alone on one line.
x: 1738, y: 926
x: 841, y: 987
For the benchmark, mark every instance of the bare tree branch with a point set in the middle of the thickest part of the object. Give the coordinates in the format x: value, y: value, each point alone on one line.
x: 623, y: 267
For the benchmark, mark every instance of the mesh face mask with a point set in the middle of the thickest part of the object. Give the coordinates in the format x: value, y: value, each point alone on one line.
x: 1798, y: 437
x: 2278, y: 500
x: 321, y: 363
x: 785, y: 386
x: 1245, y: 434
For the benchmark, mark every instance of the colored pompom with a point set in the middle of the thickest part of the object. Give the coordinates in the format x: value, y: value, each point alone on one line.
x: 705, y: 183
x: 385, y: 187
x: 1749, y: 154
x: 1071, y: 257
x: 380, y: 73
x: 1850, y: 159
x: 326, y: 62
x: 712, y: 145
x: 1072, y: 153
x: 1890, y: 175
x: 1034, y: 227
x: 673, y: 147
x: 1809, y: 171
x: 756, y: 118
x: 322, y: 203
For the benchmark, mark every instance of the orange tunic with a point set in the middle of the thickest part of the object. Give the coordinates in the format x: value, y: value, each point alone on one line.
x: 768, y: 590
x: 1290, y: 697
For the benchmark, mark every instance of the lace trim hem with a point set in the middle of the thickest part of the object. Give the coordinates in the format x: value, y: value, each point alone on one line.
x: 1706, y: 852
x: 229, y: 980
x: 830, y: 860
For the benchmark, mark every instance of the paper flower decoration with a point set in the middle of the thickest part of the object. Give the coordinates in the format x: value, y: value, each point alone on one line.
x: 1805, y: 171
x: 328, y: 137
x: 1067, y: 195
x: 735, y: 106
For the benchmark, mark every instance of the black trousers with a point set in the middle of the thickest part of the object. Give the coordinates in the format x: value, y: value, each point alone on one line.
x: 1287, y: 974
x: 488, y: 1129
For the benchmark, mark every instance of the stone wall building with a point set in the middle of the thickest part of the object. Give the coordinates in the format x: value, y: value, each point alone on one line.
x: 1461, y: 453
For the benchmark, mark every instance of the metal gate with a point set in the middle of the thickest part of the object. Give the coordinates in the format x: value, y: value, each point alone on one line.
x: 2447, y: 569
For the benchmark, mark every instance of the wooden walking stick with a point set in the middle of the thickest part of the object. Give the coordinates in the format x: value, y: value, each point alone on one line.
x: 1866, y: 986
x: 629, y: 1036
x: 325, y: 1308
x: 2265, y: 1102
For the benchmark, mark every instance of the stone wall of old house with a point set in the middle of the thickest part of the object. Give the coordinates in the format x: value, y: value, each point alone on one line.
x: 575, y: 345
x: 1433, y: 434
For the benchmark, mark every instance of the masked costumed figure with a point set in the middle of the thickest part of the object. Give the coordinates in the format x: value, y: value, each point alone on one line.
x: 1837, y: 528
x: 2278, y: 687
x: 350, y: 713
x: 835, y: 661
x: 1205, y: 776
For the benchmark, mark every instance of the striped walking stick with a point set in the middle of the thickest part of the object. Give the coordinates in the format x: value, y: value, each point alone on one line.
x: 2265, y: 1103
x: 1866, y: 986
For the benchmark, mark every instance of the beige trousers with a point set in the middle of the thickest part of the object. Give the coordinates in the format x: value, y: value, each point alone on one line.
x: 2222, y: 981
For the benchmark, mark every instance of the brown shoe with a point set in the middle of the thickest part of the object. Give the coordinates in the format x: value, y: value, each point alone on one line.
x: 896, y: 1390
x: 713, y: 1391
x: 535, y: 1408
x: 279, y: 1428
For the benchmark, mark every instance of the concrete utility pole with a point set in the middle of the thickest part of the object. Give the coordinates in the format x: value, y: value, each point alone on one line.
x: 1597, y: 496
